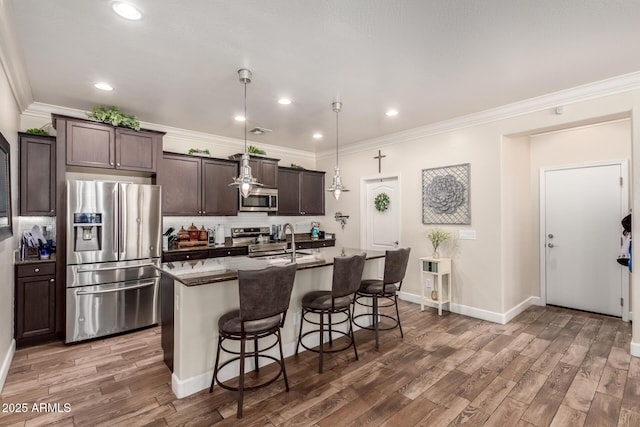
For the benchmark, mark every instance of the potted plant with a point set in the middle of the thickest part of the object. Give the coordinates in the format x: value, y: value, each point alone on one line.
x: 437, y: 237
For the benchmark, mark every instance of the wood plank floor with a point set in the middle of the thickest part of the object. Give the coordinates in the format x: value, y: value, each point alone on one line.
x: 547, y: 367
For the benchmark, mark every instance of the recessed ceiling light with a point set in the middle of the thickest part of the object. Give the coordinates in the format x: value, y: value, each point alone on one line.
x: 103, y: 86
x: 127, y: 11
x: 392, y: 113
x: 239, y: 118
x: 284, y: 101
x: 317, y: 135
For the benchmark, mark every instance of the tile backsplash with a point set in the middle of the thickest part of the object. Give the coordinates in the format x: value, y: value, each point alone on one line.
x: 26, y: 223
x: 300, y: 224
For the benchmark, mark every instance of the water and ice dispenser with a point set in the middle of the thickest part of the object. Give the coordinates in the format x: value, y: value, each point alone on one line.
x: 87, y: 232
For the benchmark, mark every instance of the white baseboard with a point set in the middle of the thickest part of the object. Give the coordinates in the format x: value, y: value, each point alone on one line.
x: 511, y: 314
x: 189, y: 386
x: 635, y: 349
x: 478, y: 313
x: 6, y: 363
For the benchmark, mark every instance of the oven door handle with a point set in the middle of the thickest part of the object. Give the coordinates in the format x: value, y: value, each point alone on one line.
x: 141, y: 285
x: 98, y: 270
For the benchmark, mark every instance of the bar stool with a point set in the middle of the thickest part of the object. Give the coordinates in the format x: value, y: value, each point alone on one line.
x: 395, y: 267
x: 264, y: 300
x: 347, y: 274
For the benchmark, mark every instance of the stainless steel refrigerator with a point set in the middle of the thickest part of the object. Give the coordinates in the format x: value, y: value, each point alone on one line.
x: 114, y: 244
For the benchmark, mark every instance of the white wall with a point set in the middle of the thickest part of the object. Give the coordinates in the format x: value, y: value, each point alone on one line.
x: 518, y: 224
x: 9, y: 122
x: 500, y: 269
x: 474, y: 283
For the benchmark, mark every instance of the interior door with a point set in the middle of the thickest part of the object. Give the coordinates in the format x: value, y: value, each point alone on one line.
x: 382, y: 228
x: 583, y: 207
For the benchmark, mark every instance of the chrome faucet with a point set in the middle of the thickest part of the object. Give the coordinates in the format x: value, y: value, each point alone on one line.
x: 293, y: 240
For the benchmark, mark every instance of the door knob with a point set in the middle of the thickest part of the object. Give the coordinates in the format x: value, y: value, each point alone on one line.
x: 550, y: 245
x: 550, y: 236
x: 396, y: 243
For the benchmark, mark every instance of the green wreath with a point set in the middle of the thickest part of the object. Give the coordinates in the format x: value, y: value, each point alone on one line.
x: 381, y: 202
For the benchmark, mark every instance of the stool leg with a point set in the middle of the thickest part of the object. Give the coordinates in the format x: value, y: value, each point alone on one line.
x: 375, y: 318
x: 330, y: 331
x: 284, y: 371
x: 255, y: 350
x: 241, y: 379
x: 353, y: 339
x: 395, y: 298
x: 321, y: 340
x: 215, y: 368
x: 300, y: 333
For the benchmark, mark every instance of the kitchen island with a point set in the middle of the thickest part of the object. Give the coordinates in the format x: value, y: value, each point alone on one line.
x: 196, y: 293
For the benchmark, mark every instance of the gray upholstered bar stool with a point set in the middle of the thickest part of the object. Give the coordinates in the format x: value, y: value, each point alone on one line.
x: 395, y: 267
x: 347, y: 274
x: 264, y: 300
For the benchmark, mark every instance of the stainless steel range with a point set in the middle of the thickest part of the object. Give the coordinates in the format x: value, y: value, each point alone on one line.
x: 114, y: 243
x: 259, y: 241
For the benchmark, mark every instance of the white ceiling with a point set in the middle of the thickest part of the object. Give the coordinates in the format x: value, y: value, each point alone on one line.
x: 432, y: 60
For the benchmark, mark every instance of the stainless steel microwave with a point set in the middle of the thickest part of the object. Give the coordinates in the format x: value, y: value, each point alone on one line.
x: 259, y: 200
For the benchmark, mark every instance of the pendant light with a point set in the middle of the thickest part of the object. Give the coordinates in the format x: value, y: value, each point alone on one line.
x: 245, y: 181
x: 336, y: 186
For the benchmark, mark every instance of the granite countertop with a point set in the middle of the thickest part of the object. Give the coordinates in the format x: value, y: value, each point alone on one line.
x: 35, y: 260
x: 212, y: 270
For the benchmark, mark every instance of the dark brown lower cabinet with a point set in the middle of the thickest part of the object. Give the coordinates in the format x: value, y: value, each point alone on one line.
x: 35, y: 303
x: 166, y: 319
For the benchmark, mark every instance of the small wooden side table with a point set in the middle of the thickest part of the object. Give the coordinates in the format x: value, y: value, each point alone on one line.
x: 436, y: 268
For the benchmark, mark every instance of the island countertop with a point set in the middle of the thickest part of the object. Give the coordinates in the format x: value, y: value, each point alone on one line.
x: 196, y: 293
x: 212, y: 270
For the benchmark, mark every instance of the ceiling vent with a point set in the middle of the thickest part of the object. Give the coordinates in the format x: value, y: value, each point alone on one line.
x: 260, y: 131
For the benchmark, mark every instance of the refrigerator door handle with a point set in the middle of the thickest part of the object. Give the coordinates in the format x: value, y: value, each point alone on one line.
x: 141, y: 285
x: 98, y: 270
x: 116, y: 221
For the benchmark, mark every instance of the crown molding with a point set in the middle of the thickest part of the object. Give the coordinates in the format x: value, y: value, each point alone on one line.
x: 44, y: 111
x: 564, y: 97
x: 12, y: 61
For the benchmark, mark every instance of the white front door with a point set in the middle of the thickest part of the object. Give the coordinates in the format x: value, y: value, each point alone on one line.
x: 581, y: 212
x: 382, y: 227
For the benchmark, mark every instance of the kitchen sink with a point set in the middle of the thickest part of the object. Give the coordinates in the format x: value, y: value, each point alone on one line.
x: 301, y: 257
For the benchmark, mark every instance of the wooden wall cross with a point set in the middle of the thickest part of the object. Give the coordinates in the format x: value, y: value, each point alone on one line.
x: 379, y: 157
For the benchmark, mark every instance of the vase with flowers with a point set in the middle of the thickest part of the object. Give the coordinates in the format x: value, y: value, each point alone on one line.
x: 437, y: 237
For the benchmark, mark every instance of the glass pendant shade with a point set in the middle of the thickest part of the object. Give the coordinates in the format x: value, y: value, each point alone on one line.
x: 336, y: 186
x: 245, y: 181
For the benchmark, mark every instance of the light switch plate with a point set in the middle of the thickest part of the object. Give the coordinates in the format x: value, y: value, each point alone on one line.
x: 466, y: 234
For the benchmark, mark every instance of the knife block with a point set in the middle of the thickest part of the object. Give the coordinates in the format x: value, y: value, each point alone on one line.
x: 31, y: 253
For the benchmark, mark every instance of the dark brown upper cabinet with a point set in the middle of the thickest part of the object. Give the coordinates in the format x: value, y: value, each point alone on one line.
x: 37, y: 175
x: 264, y: 169
x: 197, y: 186
x: 300, y: 192
x: 99, y: 145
